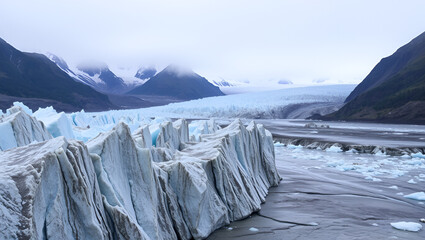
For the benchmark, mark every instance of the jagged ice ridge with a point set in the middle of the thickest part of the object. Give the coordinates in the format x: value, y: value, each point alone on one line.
x: 157, y: 180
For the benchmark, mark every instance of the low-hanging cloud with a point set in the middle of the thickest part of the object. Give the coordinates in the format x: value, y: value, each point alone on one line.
x: 237, y: 40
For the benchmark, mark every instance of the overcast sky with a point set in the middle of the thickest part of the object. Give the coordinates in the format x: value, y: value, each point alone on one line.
x: 259, y: 41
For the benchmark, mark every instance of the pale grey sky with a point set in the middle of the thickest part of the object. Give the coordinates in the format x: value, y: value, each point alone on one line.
x: 260, y: 41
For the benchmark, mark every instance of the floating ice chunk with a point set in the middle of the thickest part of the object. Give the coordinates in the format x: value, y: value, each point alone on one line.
x: 400, y: 194
x: 375, y: 224
x: 278, y: 144
x: 253, y: 229
x: 291, y: 146
x: 414, y: 162
x: 230, y: 228
x: 420, y: 196
x: 393, y: 187
x: 373, y: 179
x: 334, y: 149
x: 412, y: 181
x: 405, y: 156
x: 352, y: 151
x: 418, y: 155
x: 380, y: 153
x: 407, y: 226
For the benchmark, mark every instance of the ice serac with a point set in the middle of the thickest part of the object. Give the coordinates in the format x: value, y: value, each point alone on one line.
x: 163, y: 193
x: 227, y: 174
x: 142, y: 137
x: 152, y: 184
x: 132, y: 194
x: 57, y: 124
x: 17, y: 128
x: 48, y: 190
x: 199, y: 127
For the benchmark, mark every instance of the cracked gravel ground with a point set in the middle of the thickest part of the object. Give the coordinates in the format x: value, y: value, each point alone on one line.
x: 318, y: 202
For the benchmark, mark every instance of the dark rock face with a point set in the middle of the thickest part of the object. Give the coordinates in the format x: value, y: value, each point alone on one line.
x: 394, y: 91
x: 391, y: 65
x: 31, y: 75
x: 173, y: 82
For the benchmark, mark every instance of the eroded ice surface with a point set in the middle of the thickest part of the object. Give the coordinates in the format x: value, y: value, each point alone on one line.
x: 48, y: 190
x: 120, y: 187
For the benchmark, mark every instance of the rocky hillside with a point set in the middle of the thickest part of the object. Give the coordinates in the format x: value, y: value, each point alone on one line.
x: 177, y: 83
x: 35, y: 80
x: 394, y: 91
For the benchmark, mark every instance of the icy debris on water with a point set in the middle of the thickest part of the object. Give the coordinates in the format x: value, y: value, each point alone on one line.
x: 407, y: 226
x: 419, y: 196
x: 314, y: 125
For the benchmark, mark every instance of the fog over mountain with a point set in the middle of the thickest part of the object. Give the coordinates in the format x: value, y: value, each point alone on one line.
x: 238, y: 40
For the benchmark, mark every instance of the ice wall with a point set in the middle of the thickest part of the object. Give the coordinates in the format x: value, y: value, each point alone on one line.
x: 222, y: 178
x: 119, y: 186
x: 48, y: 190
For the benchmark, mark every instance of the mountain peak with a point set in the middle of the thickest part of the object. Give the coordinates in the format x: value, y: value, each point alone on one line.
x: 145, y: 73
x: 179, y: 83
x: 179, y: 70
x: 37, y: 81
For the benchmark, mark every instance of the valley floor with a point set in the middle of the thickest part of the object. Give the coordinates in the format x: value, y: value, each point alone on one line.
x: 339, y: 195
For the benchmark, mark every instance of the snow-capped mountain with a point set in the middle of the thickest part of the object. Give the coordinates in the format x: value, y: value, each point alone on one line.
x: 145, y: 73
x: 104, y: 79
x: 33, y: 79
x: 223, y: 83
x: 177, y: 82
x: 98, y: 76
x: 75, y: 74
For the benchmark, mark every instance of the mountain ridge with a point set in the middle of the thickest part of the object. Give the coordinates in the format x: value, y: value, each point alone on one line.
x: 178, y: 83
x: 33, y: 76
x: 391, y: 96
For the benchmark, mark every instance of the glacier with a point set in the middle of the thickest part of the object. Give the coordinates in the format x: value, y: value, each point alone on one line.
x: 129, y: 178
x: 292, y: 103
x: 289, y: 103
